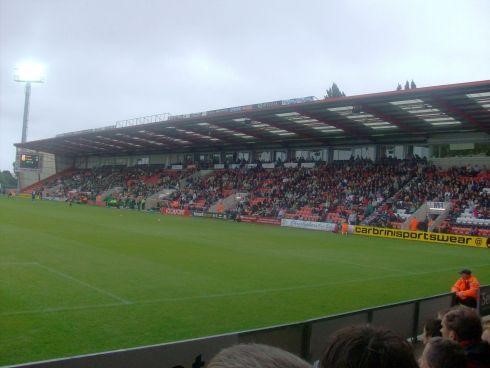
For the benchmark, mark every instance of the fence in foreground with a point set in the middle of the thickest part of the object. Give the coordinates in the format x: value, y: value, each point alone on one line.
x: 306, y: 339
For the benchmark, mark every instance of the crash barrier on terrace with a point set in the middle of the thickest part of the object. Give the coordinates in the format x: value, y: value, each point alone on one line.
x: 306, y: 339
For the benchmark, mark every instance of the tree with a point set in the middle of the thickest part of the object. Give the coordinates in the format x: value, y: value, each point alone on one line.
x: 7, y: 180
x: 412, y: 85
x: 399, y: 87
x: 334, y: 91
x: 407, y: 85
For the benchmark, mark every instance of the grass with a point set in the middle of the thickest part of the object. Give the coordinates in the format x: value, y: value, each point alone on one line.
x: 84, y: 279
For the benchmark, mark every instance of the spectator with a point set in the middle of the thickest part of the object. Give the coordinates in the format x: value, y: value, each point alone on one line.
x: 383, y: 193
x: 432, y: 328
x: 467, y: 289
x: 256, y: 356
x: 442, y: 353
x: 366, y: 347
x: 485, y: 336
x: 463, y: 325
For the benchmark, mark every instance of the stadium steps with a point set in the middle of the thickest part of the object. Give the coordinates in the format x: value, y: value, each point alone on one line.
x: 439, y: 220
x: 162, y: 193
x: 420, y: 215
x: 204, y: 173
x: 152, y: 201
x: 183, y: 182
x: 368, y: 220
x: 227, y: 203
x: 110, y: 191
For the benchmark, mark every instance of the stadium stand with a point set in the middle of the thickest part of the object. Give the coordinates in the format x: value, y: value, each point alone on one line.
x: 353, y: 160
x: 384, y: 193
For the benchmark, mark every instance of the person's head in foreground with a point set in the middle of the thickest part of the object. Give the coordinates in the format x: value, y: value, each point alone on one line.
x: 256, y: 356
x: 432, y: 328
x: 462, y: 324
x: 485, y: 336
x: 366, y: 347
x: 442, y: 353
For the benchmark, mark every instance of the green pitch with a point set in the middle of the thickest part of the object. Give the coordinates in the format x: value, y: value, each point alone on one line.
x: 82, y: 279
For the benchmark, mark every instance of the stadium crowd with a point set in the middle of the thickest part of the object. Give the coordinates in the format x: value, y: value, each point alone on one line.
x: 454, y: 341
x: 383, y: 193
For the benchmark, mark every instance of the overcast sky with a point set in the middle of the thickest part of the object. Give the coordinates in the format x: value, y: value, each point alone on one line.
x: 110, y: 60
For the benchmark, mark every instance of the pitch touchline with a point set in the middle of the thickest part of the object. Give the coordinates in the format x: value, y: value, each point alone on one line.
x: 220, y: 295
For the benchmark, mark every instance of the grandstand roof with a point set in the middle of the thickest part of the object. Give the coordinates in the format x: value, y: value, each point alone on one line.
x: 388, y: 117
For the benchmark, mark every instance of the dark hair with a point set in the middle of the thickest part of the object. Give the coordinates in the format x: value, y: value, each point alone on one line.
x: 433, y: 327
x: 444, y: 353
x: 441, y: 313
x: 365, y: 347
x: 465, y: 322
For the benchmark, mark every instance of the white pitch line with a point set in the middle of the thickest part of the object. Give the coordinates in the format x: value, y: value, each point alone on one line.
x: 225, y: 295
x: 71, y: 278
x: 61, y: 309
x: 18, y: 263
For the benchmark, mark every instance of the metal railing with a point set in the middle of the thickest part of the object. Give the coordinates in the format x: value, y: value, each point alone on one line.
x: 122, y: 124
x: 306, y: 339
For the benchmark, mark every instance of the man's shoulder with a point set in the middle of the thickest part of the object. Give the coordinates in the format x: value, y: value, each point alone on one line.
x: 479, y: 352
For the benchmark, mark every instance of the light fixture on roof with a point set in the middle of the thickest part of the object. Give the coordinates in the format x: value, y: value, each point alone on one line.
x: 448, y: 122
x: 341, y: 108
x: 406, y: 102
x: 444, y: 118
x: 286, y: 114
x: 384, y: 127
x: 309, y: 120
x: 477, y: 95
x: 378, y: 123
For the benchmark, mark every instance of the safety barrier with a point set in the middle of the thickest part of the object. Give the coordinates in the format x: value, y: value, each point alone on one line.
x: 306, y: 339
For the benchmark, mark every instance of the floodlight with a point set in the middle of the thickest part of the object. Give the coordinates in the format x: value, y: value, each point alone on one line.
x: 29, y: 72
